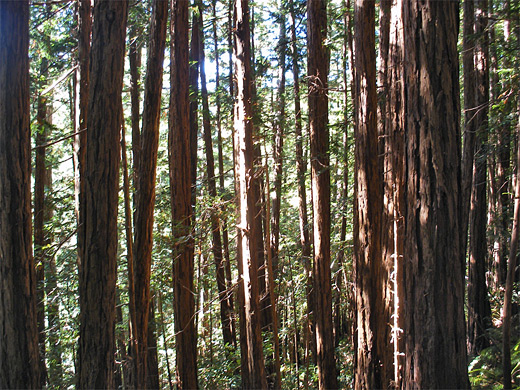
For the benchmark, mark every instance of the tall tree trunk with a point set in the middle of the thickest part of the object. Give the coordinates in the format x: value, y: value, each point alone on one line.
x: 393, y: 149
x: 470, y: 129
x: 226, y: 307
x: 130, y: 365
x: 98, y: 269
x: 80, y: 139
x: 145, y: 194
x: 180, y: 177
x: 278, y: 149
x: 301, y: 168
x: 318, y: 67
x: 19, y: 357
x: 507, y: 310
x: 371, y: 278
x: 433, y: 298
x: 134, y: 56
x: 225, y: 234
x: 479, y: 309
x: 194, y: 100
x: 253, y: 368
x: 40, y: 216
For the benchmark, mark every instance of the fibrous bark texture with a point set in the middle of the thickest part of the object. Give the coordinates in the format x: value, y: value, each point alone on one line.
x: 99, y: 257
x: 19, y: 357
x: 318, y: 64
x: 433, y: 297
x: 253, y: 366
x: 180, y: 177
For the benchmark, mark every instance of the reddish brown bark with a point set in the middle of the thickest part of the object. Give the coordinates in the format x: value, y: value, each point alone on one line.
x: 253, y: 367
x: 180, y: 177
x: 371, y: 276
x: 19, y: 357
x: 318, y: 64
x: 226, y: 307
x: 145, y: 194
x: 433, y: 297
x: 99, y: 257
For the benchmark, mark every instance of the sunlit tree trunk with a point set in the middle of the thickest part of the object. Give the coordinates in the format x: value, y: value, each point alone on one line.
x: 226, y: 307
x: 180, y: 177
x: 145, y: 191
x: 433, y: 297
x: 253, y: 367
x: 19, y: 356
x: 318, y: 64
x: 99, y: 258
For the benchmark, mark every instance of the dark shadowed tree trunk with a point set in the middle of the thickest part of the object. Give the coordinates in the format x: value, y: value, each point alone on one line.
x: 19, y: 357
x: 80, y: 139
x: 433, y: 297
x: 180, y: 177
x: 99, y: 258
x: 252, y: 361
x: 371, y: 276
x: 318, y: 67
x: 479, y: 310
x: 145, y: 194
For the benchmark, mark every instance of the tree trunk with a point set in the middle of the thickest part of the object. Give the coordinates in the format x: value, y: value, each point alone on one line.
x: 80, y: 139
x: 98, y: 269
x: 41, y: 216
x: 507, y: 311
x: 225, y: 235
x: 253, y: 368
x: 134, y: 57
x: 433, y: 298
x: 226, y: 307
x: 180, y: 177
x: 371, y: 277
x: 145, y: 194
x: 194, y: 101
x: 19, y: 357
x: 318, y: 64
x: 301, y: 168
x: 278, y: 149
x: 479, y: 309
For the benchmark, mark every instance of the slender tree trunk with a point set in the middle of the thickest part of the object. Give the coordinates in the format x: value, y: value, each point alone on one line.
x: 145, y: 194
x: 130, y: 365
x: 134, y: 56
x: 318, y: 64
x: 433, y: 298
x: 194, y: 100
x: 277, y: 380
x: 301, y: 168
x: 40, y: 217
x: 371, y: 278
x: 152, y: 370
x: 226, y: 308
x: 80, y: 139
x: 278, y: 149
x: 19, y: 357
x: 180, y: 177
x: 225, y: 234
x: 479, y: 309
x: 507, y: 311
x: 470, y: 129
x: 253, y: 368
x: 98, y: 269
